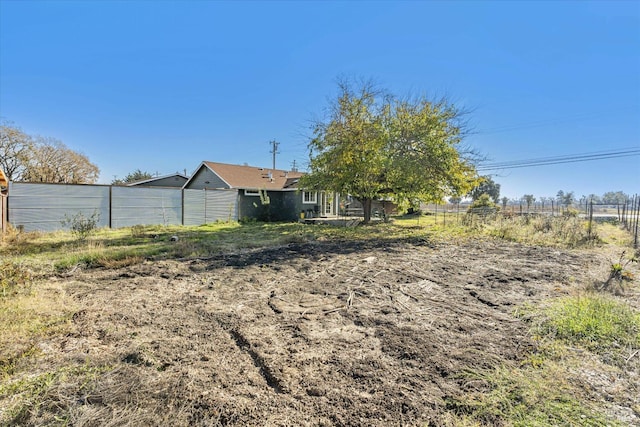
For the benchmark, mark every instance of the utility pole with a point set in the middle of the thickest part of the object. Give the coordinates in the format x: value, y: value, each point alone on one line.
x: 294, y: 166
x: 274, y: 151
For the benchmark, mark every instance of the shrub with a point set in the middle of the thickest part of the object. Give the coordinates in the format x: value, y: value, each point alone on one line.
x: 82, y: 227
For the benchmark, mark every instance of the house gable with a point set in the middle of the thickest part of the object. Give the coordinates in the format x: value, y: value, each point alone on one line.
x: 173, y: 180
x: 204, y: 178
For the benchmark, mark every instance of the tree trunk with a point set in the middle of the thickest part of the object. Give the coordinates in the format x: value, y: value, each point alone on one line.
x: 366, y: 209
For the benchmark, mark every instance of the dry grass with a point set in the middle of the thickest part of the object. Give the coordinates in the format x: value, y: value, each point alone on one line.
x: 408, y: 295
x: 27, y: 319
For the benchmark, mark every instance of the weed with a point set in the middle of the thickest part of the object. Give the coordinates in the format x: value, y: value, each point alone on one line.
x: 618, y: 273
x: 13, y: 278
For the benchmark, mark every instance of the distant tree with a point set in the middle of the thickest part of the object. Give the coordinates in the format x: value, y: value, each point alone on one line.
x: 374, y: 145
x: 16, y: 149
x: 529, y: 199
x: 614, y: 198
x: 545, y: 201
x: 134, y: 176
x: 52, y: 161
x: 487, y: 186
x: 484, y: 201
x: 594, y: 198
x: 565, y: 199
x: 455, y: 200
x: 504, y: 200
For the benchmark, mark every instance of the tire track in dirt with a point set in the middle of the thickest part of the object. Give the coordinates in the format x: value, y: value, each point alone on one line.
x: 244, y: 345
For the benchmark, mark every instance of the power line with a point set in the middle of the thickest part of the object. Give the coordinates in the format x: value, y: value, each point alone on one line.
x: 553, y: 121
x: 563, y: 157
x: 560, y: 159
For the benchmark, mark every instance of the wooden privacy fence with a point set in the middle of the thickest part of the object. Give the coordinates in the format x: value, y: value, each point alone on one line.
x: 44, y: 207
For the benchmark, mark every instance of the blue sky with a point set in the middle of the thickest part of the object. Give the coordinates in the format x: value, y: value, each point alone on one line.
x: 161, y: 86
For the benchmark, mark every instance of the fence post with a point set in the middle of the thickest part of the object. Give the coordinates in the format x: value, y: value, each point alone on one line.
x: 110, y: 206
x: 444, y: 216
x: 637, y: 214
x: 590, y: 214
x: 624, y: 213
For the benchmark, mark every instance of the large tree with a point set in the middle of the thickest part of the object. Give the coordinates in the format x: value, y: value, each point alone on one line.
x: 16, y: 148
x: 52, y: 161
x: 41, y: 159
x: 374, y: 145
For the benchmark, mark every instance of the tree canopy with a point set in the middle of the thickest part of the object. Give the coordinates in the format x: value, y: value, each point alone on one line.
x: 136, y: 175
x: 529, y: 199
x: 486, y: 186
x: 374, y: 145
x: 41, y: 159
x: 567, y: 199
x: 614, y: 198
x: 16, y: 147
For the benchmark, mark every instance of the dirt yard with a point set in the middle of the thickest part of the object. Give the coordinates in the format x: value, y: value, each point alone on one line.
x: 353, y: 334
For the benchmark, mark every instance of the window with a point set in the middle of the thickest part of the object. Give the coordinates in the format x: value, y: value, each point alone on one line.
x: 251, y: 192
x: 309, y: 197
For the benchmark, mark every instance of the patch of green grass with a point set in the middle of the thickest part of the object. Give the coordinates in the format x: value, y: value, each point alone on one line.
x: 544, y: 389
x: 525, y: 397
x: 597, y: 322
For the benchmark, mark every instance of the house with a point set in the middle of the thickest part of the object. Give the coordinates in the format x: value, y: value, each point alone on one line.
x: 263, y: 193
x: 171, y: 180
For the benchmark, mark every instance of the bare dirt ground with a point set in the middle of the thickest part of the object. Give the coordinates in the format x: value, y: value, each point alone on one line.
x: 352, y: 334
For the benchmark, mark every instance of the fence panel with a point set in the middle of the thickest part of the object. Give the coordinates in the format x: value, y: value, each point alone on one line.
x: 194, y: 207
x: 204, y: 206
x: 43, y: 207
x: 145, y: 206
x: 221, y: 205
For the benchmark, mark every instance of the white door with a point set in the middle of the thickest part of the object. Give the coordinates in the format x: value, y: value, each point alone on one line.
x: 328, y: 204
